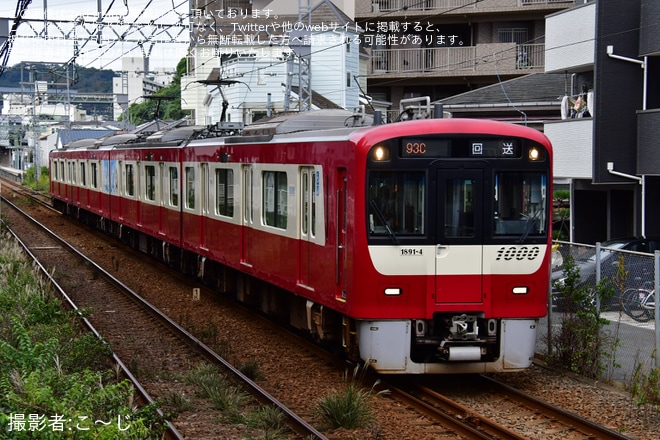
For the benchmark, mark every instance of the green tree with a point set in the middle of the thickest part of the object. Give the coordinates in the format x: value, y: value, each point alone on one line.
x: 170, y: 101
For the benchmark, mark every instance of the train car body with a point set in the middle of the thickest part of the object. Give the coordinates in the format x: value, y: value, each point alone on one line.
x: 419, y: 247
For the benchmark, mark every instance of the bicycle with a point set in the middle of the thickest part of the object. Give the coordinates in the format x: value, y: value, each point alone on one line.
x: 639, y: 303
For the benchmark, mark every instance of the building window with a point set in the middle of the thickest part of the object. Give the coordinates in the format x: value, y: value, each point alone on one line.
x: 224, y: 192
x: 513, y: 35
x: 275, y: 199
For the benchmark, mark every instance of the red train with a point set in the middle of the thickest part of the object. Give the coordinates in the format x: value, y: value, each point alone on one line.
x: 419, y: 247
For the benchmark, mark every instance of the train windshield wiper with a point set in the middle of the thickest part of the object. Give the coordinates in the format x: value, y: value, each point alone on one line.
x: 381, y: 218
x: 529, y: 224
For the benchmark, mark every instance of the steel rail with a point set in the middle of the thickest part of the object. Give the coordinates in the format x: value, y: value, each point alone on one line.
x: 295, y: 422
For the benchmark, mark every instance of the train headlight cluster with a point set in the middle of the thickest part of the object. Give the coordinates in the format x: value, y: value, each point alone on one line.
x: 535, y: 154
x: 380, y: 153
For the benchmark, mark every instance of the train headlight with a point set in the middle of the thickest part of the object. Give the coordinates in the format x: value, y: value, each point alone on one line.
x: 520, y: 290
x: 535, y: 154
x: 380, y: 153
x: 392, y: 291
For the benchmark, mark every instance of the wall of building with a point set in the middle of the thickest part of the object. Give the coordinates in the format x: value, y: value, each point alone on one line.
x: 618, y: 92
x: 570, y: 38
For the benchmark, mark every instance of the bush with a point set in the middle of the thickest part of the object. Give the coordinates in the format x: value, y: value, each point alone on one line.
x: 52, y: 376
x: 37, y: 183
x: 579, y: 344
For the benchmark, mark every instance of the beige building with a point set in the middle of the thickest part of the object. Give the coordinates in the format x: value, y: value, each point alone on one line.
x: 441, y: 48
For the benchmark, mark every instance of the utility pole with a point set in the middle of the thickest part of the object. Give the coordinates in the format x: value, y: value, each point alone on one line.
x: 301, y: 46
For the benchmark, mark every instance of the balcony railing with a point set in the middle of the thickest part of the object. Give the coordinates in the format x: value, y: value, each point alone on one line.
x: 454, y: 60
x: 378, y: 6
x: 416, y: 5
x: 543, y: 2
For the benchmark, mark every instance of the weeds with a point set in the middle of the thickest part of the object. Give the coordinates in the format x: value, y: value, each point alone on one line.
x: 580, y: 342
x: 349, y: 408
x: 251, y: 370
x: 47, y: 368
x: 645, y: 384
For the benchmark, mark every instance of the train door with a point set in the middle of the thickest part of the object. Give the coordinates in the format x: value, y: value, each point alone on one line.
x: 163, y: 196
x: 459, y: 248
x: 246, y: 215
x: 340, y: 237
x: 308, y: 185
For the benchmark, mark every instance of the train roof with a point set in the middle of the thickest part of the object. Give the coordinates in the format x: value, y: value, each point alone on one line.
x: 313, y: 120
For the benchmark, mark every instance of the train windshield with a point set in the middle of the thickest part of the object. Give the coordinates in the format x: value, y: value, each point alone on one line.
x: 396, y: 203
x: 520, y: 204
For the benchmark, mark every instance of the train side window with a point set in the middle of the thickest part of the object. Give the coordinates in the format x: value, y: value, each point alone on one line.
x: 275, y: 199
x: 304, y: 212
x: 150, y: 182
x: 72, y: 166
x: 130, y: 180
x: 224, y: 179
x: 315, y: 193
x: 83, y: 175
x: 174, y: 186
x: 94, y: 174
x: 62, y: 179
x: 309, y: 188
x: 190, y: 187
x: 247, y: 194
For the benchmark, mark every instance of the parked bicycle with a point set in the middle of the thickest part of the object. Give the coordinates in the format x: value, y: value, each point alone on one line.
x: 639, y: 303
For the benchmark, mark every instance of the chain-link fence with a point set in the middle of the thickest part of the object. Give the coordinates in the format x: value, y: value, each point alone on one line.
x: 616, y: 285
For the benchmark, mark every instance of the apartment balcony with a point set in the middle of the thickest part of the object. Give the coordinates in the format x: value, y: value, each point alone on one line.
x: 572, y: 145
x: 482, y: 59
x: 648, y: 132
x: 571, y: 47
x: 416, y: 7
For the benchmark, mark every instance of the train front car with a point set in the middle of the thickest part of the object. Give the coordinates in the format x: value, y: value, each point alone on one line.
x: 457, y: 227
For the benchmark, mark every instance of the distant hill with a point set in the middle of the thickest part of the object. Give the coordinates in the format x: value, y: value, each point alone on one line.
x: 83, y: 79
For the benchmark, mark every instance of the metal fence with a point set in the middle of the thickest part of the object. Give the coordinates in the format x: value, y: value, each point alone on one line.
x: 629, y: 280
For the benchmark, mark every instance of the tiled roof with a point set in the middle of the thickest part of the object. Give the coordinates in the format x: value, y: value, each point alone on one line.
x: 68, y: 136
x: 535, y: 88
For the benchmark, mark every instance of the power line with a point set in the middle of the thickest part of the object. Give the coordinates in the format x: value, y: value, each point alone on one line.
x: 5, y: 51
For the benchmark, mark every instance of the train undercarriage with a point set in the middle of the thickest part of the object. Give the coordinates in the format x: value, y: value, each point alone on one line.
x: 447, y: 339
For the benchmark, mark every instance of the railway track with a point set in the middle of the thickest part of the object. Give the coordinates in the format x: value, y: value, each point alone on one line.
x: 460, y: 418
x: 84, y: 284
x: 442, y: 403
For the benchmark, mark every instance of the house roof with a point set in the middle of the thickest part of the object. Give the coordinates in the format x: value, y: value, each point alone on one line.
x: 530, y: 90
x: 67, y: 136
x: 318, y: 100
x: 325, y: 12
